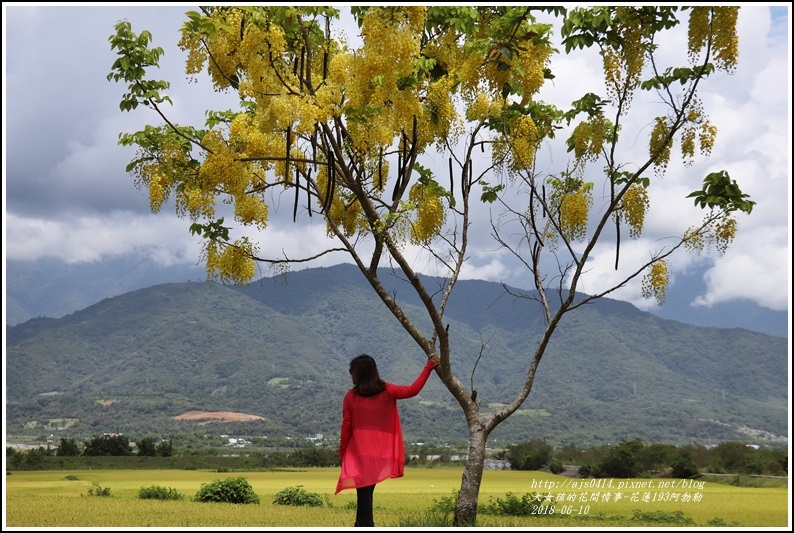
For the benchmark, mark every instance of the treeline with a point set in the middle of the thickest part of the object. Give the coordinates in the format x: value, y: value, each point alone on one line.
x: 634, y: 458
x: 628, y: 459
x: 116, y: 452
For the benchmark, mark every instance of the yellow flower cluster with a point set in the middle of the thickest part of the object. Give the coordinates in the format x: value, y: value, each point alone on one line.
x: 195, y: 201
x: 157, y: 193
x: 348, y: 216
x: 430, y: 214
x: 469, y: 72
x: 688, y: 145
x: 223, y: 47
x: 344, y: 211
x: 660, y: 145
x: 724, y: 234
x: 623, y: 65
x: 254, y: 52
x: 221, y: 170
x: 720, y: 236
x: 481, y: 107
x: 441, y: 122
x: 699, y: 28
x: 279, y: 113
x: 524, y: 138
x: 449, y: 55
x: 726, y: 40
x: 714, y: 27
x: 655, y: 281
x: 697, y: 128
x: 708, y: 134
x: 196, y: 55
x: 374, y: 80
x: 257, y: 142
x: 218, y: 49
x: 532, y: 62
x: 330, y: 95
x: 251, y: 209
x: 231, y: 263
x: 389, y: 49
x: 589, y: 138
x: 495, y: 78
x: 159, y: 170
x: 415, y: 17
x: 574, y: 213
x: 612, y: 70
x: 633, y: 206
x: 694, y: 240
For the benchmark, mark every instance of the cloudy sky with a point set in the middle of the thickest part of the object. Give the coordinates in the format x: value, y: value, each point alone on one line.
x: 66, y: 194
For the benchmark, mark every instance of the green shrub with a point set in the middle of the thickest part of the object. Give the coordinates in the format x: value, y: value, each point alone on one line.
x: 230, y: 490
x: 102, y: 492
x: 513, y: 506
x: 446, y: 505
x: 621, y: 460
x: 532, y: 455
x: 719, y: 522
x: 556, y: 467
x: 159, y: 493
x: 685, y: 467
x: 298, y: 496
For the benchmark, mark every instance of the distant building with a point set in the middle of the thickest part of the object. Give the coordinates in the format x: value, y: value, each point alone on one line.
x: 496, y: 464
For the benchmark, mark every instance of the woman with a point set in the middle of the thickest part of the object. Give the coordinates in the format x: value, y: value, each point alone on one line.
x: 371, y: 445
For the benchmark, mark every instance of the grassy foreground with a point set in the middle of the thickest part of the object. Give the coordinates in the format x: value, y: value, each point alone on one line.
x: 61, y: 499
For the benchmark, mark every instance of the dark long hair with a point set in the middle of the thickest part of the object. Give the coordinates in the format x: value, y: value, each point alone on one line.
x: 365, y: 376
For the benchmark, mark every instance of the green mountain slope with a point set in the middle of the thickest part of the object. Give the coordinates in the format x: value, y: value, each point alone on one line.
x: 279, y: 349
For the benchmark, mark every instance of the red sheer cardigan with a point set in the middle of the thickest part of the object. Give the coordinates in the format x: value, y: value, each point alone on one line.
x: 371, y: 446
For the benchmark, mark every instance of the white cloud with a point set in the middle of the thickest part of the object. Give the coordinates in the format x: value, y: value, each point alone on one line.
x: 66, y: 194
x: 748, y: 276
x: 93, y: 238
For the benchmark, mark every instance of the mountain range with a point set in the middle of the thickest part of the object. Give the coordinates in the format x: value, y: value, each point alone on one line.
x: 279, y: 349
x: 53, y: 288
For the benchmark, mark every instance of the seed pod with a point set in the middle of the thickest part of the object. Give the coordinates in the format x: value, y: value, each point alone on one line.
x: 314, y: 146
x: 289, y: 145
x: 329, y: 186
x: 468, y: 185
x: 463, y: 174
x: 308, y: 191
x: 380, y: 169
x: 303, y: 59
x: 297, y: 192
x: 396, y: 190
x: 451, y: 179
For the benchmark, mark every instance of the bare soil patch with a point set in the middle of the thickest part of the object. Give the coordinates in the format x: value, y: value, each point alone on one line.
x: 204, y: 417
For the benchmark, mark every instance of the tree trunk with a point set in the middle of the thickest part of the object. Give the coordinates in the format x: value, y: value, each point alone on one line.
x: 466, y: 507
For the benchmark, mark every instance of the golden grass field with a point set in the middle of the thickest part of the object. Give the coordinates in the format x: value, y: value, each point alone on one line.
x: 49, y: 499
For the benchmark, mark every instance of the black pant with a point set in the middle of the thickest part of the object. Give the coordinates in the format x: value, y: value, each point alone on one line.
x: 364, y: 507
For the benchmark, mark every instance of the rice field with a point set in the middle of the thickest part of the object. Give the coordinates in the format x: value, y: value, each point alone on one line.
x: 62, y: 499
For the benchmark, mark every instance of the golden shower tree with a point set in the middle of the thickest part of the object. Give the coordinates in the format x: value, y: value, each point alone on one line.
x: 354, y: 134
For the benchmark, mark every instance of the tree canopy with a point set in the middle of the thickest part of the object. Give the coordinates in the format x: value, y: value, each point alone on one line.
x: 356, y: 132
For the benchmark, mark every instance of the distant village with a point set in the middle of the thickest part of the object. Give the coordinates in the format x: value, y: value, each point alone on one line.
x: 317, y: 440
